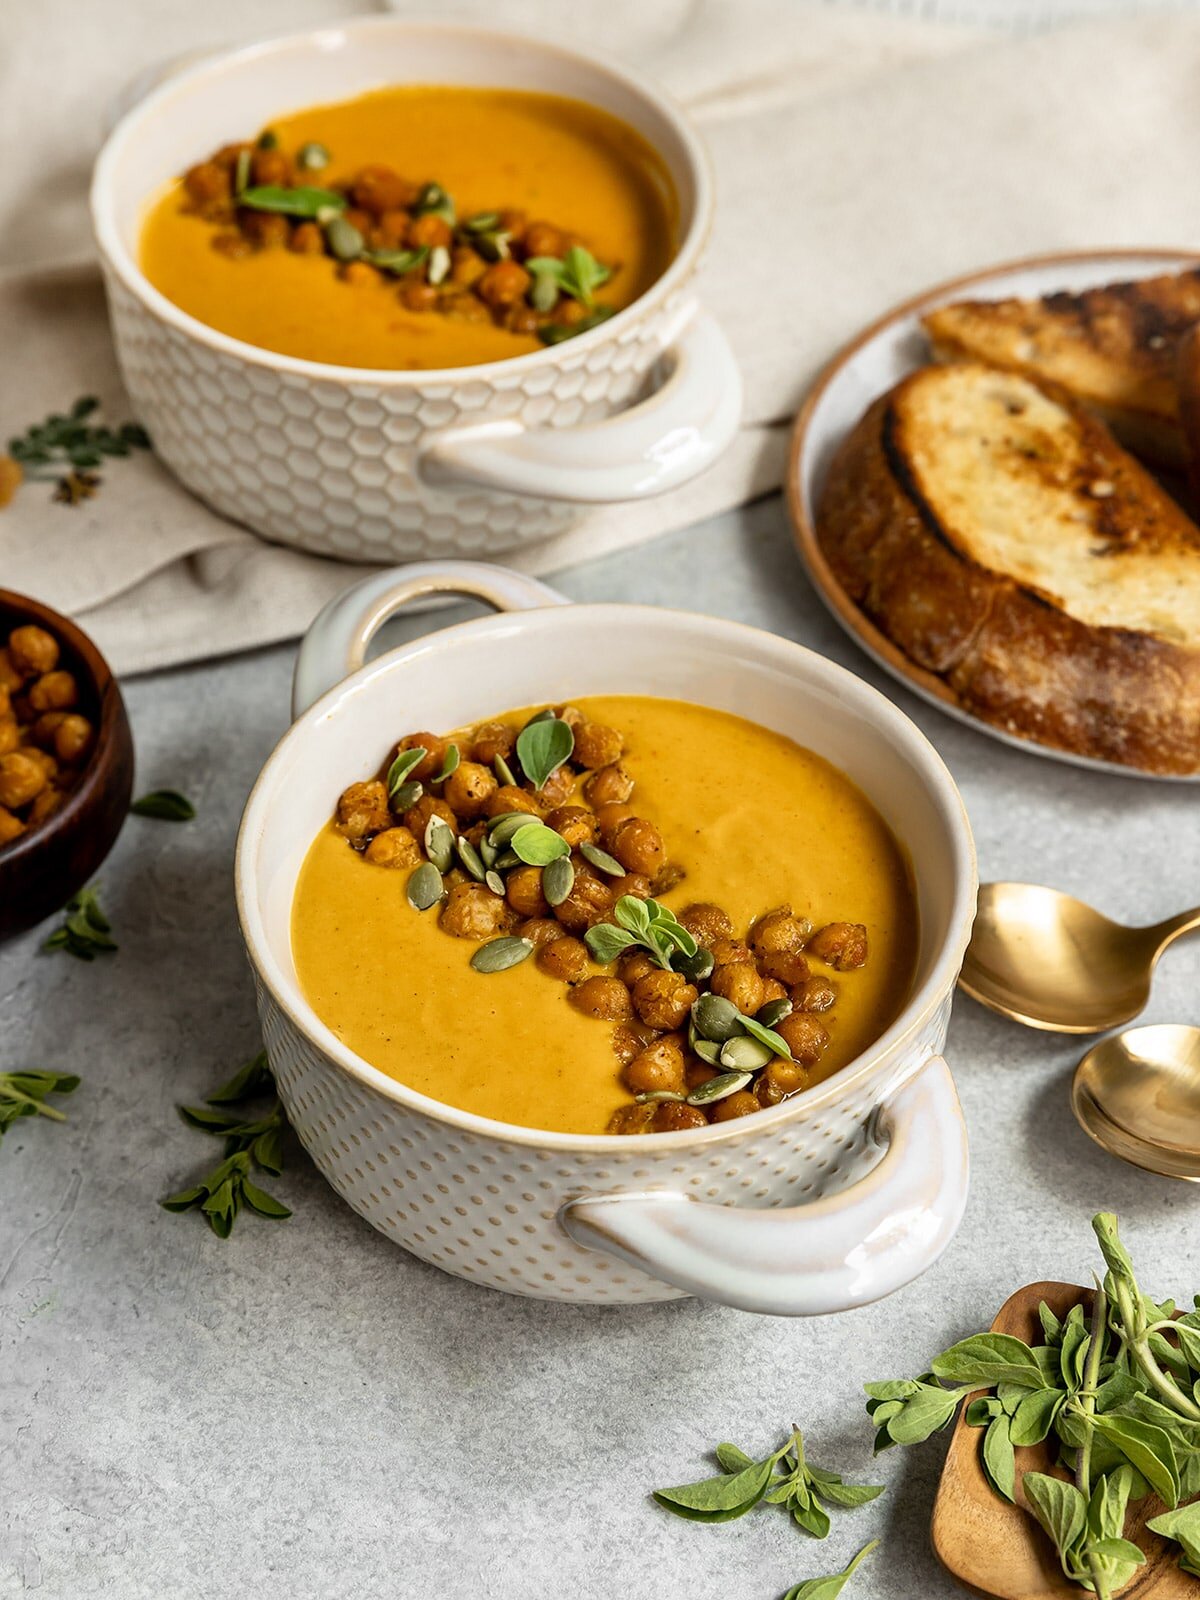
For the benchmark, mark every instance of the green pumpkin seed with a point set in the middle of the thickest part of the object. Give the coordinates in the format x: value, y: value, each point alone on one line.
x: 506, y: 861
x: 450, y: 764
x: 403, y: 765
x: 558, y: 879
x: 241, y: 175
x: 494, y: 882
x: 601, y: 860
x: 497, y: 955
x: 745, y: 1054
x: 708, y: 1050
x: 344, y: 239
x: 544, y: 294
x: 469, y: 857
x: 406, y: 795
x: 501, y: 830
x: 538, y: 845
x: 774, y: 1011
x: 694, y: 968
x: 482, y: 222
x: 432, y: 198
x: 718, y: 1088
x: 658, y: 1097
x: 489, y: 853
x: 716, y: 1018
x: 438, y: 269
x: 425, y: 887
x: 439, y: 843
x: 312, y: 156
x: 492, y: 246
x: 504, y: 773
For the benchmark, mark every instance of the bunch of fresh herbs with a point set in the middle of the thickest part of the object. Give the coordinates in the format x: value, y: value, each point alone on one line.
x: 67, y: 445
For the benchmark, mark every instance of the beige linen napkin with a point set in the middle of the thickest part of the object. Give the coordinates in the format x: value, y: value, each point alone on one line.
x: 858, y: 159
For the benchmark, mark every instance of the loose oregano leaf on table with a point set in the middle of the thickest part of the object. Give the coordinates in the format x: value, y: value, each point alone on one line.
x: 85, y: 932
x: 829, y: 1588
x: 164, y: 805
x: 23, y: 1094
x: 67, y: 445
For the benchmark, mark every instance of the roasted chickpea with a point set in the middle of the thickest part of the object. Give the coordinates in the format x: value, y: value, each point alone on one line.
x: 468, y: 789
x: 359, y: 274
x: 633, y: 1119
x: 676, y: 1116
x: 379, y: 190
x: 55, y: 691
x: 32, y: 651
x: 608, y: 786
x: 543, y: 239
x: 467, y: 268
x: 273, y: 167
x: 596, y: 745
x: 207, y: 183
x: 558, y: 788
x: 47, y: 762
x: 609, y: 818
x: 634, y: 965
x: 564, y: 958
x: 804, y: 1037
x: 10, y: 678
x: 522, y: 319
x: 418, y: 296
x: 778, y: 1079
x: 10, y: 827
x: 575, y: 824
x: 740, y: 1104
x: 22, y: 778
x: 777, y: 939
x: 492, y: 739
x: 589, y: 901
x: 307, y: 240
x: 773, y: 990
x: 391, y: 231
x: 605, y: 998
x: 539, y: 931
x: 266, y: 229
x: 362, y: 810
x: 431, y: 231
x: 523, y: 888
x: 472, y: 911
x: 740, y: 983
x: 503, y: 284
x: 638, y: 846
x: 462, y: 306
x: 663, y: 999
x: 656, y: 1068
x: 416, y: 818
x: 730, y: 952
x: 784, y: 966
x: 10, y: 735
x: 817, y: 994
x: 841, y: 945
x: 432, y: 762
x: 509, y: 798
x: 233, y: 245
x: 394, y: 847
x: 629, y: 1038
x: 72, y: 737
x: 706, y: 923
x: 513, y: 222
x: 635, y: 883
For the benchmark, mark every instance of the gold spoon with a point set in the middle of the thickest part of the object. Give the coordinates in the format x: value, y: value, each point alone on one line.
x: 1138, y: 1095
x: 1052, y: 962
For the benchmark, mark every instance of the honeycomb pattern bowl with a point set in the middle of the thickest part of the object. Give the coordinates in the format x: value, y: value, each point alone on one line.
x: 371, y: 465
x: 789, y: 1211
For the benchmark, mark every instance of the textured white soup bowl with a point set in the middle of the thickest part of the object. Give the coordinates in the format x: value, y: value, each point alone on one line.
x: 373, y: 465
x: 791, y: 1210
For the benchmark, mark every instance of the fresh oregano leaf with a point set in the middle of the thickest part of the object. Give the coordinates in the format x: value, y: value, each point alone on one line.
x: 23, y: 1094
x: 248, y: 1082
x: 1061, y: 1510
x: 732, y: 1459
x: 722, y: 1498
x: 1148, y: 1448
x: 300, y: 201
x: 988, y: 1358
x: 450, y: 764
x: 542, y: 747
x: 829, y: 1588
x: 164, y: 805
x: 999, y: 1462
x: 606, y: 943
x: 537, y: 845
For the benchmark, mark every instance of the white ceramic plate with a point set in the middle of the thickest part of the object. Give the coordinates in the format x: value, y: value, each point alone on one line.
x: 872, y: 364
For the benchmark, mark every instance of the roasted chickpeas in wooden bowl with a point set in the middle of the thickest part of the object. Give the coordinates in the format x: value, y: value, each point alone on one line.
x: 66, y: 760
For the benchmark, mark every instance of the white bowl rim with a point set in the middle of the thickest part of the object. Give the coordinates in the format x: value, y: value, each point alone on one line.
x: 113, y: 251
x: 891, y: 724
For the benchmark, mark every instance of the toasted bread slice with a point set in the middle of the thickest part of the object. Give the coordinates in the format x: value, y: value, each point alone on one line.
x: 1113, y: 348
x: 1001, y: 538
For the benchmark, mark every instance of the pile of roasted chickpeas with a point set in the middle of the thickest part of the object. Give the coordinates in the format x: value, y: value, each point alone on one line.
x: 384, y: 226
x: 667, y: 1023
x: 44, y: 740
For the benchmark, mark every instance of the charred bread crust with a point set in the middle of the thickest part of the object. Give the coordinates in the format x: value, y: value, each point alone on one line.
x: 1004, y: 653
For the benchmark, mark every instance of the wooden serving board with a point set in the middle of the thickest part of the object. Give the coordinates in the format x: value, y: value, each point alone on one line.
x: 998, y: 1549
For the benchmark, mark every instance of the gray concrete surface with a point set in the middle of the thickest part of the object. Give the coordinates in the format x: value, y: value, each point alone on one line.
x: 305, y: 1411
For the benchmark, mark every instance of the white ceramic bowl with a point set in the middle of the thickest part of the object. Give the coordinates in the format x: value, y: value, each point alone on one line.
x: 376, y: 466
x: 609, y: 1219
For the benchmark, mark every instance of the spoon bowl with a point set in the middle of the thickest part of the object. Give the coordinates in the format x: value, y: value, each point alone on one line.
x: 1050, y: 961
x: 1137, y: 1094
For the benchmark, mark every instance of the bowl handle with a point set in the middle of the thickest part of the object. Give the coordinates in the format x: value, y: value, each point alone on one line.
x: 831, y: 1255
x: 651, y: 447
x: 337, y: 640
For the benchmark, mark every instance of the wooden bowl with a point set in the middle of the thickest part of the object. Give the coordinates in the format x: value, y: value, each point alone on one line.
x: 43, y: 868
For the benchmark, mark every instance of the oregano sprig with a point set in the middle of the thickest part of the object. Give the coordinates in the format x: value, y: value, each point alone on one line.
x: 24, y: 1094
x: 86, y: 931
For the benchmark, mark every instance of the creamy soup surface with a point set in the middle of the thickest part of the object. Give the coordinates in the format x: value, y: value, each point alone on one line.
x: 754, y: 820
x: 491, y: 149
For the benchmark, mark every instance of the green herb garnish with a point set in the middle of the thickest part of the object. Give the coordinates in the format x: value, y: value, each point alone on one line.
x: 221, y: 1194
x: 165, y: 805
x: 67, y: 440
x: 577, y: 274
x: 85, y: 932
x: 558, y: 332
x: 537, y: 845
x: 542, y: 747
x: 23, y: 1094
x: 644, y: 923
x: 829, y: 1588
x: 300, y: 201
x: 395, y: 261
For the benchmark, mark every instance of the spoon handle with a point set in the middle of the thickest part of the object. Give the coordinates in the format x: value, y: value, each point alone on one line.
x: 1173, y: 928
